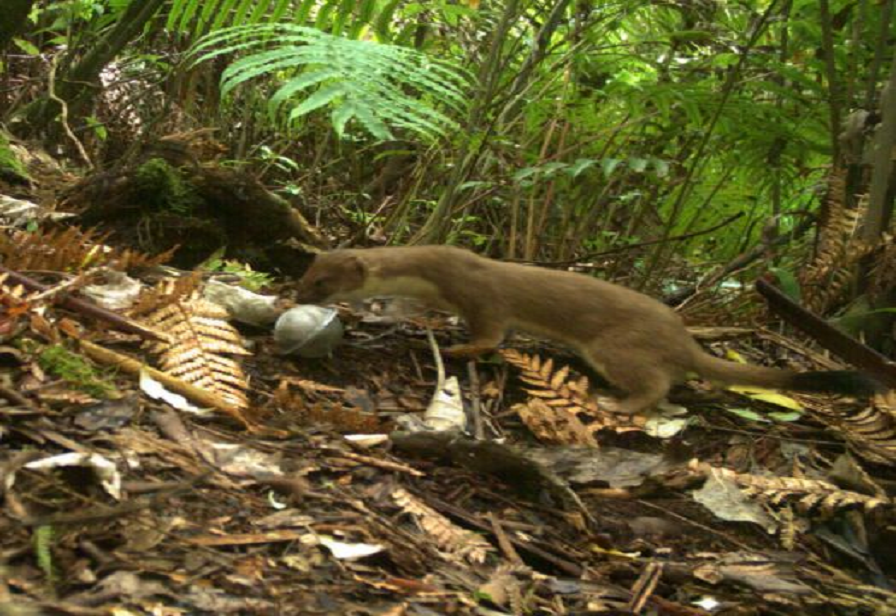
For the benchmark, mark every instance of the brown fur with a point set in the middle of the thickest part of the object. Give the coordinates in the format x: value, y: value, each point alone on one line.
x: 639, y: 344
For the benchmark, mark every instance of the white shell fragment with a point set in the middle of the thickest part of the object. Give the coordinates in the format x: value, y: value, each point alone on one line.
x: 308, y: 331
x: 446, y: 410
x: 366, y: 441
x: 349, y: 551
x: 103, y: 467
x: 241, y: 304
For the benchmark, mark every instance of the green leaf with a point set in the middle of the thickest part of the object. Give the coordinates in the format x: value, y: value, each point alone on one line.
x: 26, y: 47
x: 785, y: 417
x: 474, y: 184
x: 638, y: 165
x: 373, y: 124
x: 187, y: 16
x: 747, y: 414
x: 608, y: 165
x: 580, y: 165
x: 769, y: 396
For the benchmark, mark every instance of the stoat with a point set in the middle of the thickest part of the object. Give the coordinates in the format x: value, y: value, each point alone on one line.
x: 639, y: 344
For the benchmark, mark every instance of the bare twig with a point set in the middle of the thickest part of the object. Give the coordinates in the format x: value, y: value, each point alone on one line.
x: 64, y: 286
x: 476, y: 402
x: 63, y: 113
x: 603, y: 253
x: 503, y: 540
x: 86, y: 308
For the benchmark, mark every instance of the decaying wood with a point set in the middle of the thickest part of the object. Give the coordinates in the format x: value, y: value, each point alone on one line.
x: 831, y: 338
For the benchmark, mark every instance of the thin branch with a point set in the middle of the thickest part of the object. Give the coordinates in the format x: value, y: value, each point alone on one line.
x: 619, y: 249
x: 63, y: 113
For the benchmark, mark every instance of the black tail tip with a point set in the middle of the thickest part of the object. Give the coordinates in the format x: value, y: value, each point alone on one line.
x: 846, y: 382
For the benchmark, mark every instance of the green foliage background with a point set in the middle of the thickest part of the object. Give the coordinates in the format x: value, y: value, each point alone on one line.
x: 528, y: 128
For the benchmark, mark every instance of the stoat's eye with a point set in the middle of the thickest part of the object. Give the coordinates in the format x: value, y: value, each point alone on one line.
x: 319, y: 283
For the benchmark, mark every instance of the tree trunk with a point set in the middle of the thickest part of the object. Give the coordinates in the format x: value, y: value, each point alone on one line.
x: 880, y: 194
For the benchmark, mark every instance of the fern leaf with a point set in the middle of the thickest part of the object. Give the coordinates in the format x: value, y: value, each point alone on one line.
x: 242, y: 10
x: 381, y: 85
x: 364, y: 18
x: 177, y: 8
x: 206, y: 16
x: 383, y: 22
x: 346, y: 8
x: 303, y: 81
x: 248, y: 68
x: 304, y: 10
x: 259, y: 11
x: 187, y: 17
x: 280, y: 9
x: 373, y: 124
x: 341, y: 115
x: 317, y: 100
x: 223, y: 14
x: 323, y: 14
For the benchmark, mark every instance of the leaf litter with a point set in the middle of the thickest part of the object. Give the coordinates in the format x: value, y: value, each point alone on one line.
x: 316, y: 491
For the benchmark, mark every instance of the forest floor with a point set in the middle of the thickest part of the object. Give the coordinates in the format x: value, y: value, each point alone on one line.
x: 322, y: 501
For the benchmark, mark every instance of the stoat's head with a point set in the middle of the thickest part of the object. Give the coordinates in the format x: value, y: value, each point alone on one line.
x: 332, y: 276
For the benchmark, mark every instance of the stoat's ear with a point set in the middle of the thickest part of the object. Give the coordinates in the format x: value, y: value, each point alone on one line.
x: 358, y: 266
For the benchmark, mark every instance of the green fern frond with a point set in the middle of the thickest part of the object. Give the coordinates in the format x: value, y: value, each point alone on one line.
x: 380, y: 86
x: 223, y: 14
x: 382, y: 24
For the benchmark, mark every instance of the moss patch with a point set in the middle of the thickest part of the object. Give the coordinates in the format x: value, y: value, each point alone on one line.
x: 75, y: 370
x: 161, y: 187
x: 10, y: 165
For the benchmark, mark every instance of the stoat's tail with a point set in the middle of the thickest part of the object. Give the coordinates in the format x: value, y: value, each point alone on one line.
x: 845, y: 382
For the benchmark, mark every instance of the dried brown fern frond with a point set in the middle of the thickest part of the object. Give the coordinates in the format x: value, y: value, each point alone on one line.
x: 450, y: 538
x: 347, y: 420
x: 807, y: 495
x: 555, y: 425
x: 870, y: 431
x: 165, y: 293
x: 827, y: 278
x: 69, y: 250
x: 14, y: 304
x: 201, y: 342
x: 564, y: 413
